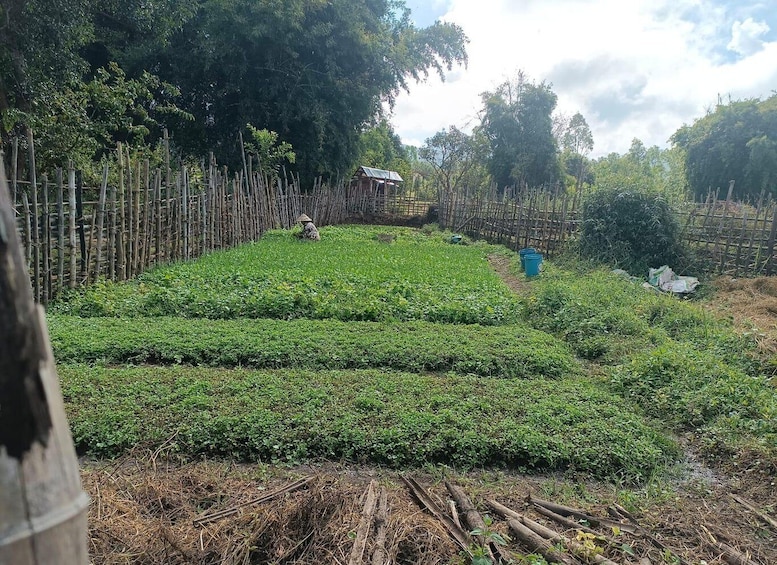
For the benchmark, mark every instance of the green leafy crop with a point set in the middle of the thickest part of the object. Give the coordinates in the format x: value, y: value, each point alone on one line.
x: 350, y: 275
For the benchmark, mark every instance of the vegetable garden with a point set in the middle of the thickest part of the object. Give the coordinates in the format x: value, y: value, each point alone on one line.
x: 392, y: 348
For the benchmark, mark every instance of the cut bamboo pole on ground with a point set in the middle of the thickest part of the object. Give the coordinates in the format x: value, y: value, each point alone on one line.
x: 379, y: 556
x: 534, y: 542
x: 564, y: 521
x: 550, y: 534
x: 752, y: 508
x: 213, y: 516
x: 365, y: 525
x: 593, y: 520
x: 473, y: 519
x: 728, y: 553
x: 457, y: 533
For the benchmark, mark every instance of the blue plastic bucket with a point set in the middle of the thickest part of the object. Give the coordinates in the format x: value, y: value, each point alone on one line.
x: 523, y: 253
x: 532, y: 262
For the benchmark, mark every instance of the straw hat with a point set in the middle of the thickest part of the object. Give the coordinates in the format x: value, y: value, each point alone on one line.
x: 304, y: 218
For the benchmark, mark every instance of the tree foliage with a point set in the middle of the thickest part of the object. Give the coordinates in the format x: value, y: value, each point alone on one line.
x: 642, y: 169
x: 270, y: 152
x: 380, y: 147
x: 737, y: 141
x: 56, y: 76
x: 517, y: 121
x: 314, y: 71
x: 577, y: 142
x: 457, y: 158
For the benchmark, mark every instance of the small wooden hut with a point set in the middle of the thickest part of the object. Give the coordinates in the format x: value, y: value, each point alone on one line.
x: 375, y: 186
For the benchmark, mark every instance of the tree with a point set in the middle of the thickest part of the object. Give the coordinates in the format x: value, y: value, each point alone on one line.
x: 39, y: 42
x: 270, y: 153
x: 82, y: 121
x: 58, y: 78
x: 642, y: 169
x: 313, y: 71
x: 517, y: 122
x: 577, y: 136
x: 457, y: 159
x: 577, y: 142
x: 733, y: 142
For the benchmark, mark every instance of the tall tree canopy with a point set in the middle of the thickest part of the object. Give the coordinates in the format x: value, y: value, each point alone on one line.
x: 315, y: 71
x: 737, y: 141
x: 642, y: 170
x: 517, y: 120
x: 577, y: 142
x: 57, y: 74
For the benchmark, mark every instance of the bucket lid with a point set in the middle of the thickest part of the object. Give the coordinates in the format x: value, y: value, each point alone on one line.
x: 304, y: 218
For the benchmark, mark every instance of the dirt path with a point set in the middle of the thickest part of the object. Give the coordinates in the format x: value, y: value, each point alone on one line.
x: 503, y: 267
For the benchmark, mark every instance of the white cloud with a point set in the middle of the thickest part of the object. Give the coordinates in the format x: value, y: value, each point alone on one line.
x: 634, y: 69
x: 746, y: 36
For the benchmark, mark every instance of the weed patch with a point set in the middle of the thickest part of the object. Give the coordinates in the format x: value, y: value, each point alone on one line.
x: 695, y: 390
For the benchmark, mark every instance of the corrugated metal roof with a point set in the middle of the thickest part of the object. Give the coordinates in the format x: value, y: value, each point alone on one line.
x: 380, y: 174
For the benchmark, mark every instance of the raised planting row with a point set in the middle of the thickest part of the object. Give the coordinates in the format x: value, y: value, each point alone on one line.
x: 353, y: 273
x: 499, y: 351
x: 381, y: 417
x: 693, y: 390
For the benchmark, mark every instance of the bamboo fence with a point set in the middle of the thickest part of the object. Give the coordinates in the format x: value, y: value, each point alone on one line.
x: 142, y: 216
x: 731, y: 238
x: 540, y: 218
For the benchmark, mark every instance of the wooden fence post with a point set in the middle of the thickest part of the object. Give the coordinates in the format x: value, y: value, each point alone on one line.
x: 73, y: 209
x: 43, y: 519
x: 46, y: 237
x: 60, y: 232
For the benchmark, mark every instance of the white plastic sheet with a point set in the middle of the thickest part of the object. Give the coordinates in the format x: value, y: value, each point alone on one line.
x: 665, y: 279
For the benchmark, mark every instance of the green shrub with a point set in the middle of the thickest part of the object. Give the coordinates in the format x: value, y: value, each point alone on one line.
x: 630, y: 230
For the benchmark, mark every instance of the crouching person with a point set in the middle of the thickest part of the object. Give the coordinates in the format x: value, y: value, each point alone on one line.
x: 309, y: 230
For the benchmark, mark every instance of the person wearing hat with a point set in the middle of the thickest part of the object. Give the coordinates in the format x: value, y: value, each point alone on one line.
x: 309, y: 230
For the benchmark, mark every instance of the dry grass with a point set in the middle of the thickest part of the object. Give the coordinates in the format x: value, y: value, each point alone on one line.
x: 144, y: 508
x: 143, y: 511
x: 752, y: 303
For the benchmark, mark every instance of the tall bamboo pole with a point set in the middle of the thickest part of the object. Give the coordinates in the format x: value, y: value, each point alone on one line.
x: 119, y: 222
x: 100, y: 221
x: 35, y: 226
x: 46, y: 236
x: 73, y: 208
x: 60, y: 232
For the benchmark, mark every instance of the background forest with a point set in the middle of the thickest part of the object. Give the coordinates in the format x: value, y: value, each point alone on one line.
x: 310, y: 85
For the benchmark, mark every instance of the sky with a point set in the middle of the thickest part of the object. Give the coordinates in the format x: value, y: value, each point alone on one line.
x: 633, y: 68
